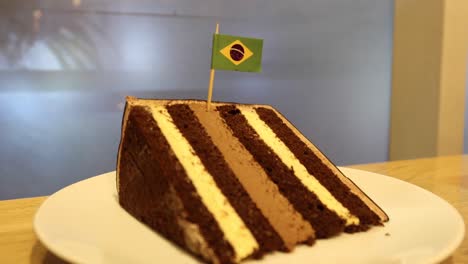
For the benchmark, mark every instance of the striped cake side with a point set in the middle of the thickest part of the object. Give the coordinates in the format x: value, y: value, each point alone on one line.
x: 325, y: 222
x: 278, y: 149
x: 189, y: 126
x: 155, y: 189
x: 233, y: 227
x: 323, y: 173
x: 287, y: 222
x: 239, y: 229
x: 354, y: 189
x: 233, y: 182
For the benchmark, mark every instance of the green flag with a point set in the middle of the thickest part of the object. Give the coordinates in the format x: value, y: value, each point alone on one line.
x: 235, y: 53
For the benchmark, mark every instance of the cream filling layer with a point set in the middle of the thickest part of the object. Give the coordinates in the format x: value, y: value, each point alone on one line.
x: 234, y: 229
x: 288, y: 158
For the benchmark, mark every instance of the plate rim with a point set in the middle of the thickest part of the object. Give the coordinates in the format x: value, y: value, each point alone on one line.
x: 40, y: 234
x: 443, y: 254
x: 448, y: 250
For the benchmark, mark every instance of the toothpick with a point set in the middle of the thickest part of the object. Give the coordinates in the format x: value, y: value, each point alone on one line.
x: 212, y: 75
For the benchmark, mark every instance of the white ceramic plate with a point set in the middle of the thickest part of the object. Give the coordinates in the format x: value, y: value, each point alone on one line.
x: 84, y: 223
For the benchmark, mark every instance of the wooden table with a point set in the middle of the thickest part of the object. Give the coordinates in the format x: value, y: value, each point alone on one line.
x: 445, y: 176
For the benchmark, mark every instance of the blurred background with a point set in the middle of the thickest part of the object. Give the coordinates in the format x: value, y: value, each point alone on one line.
x: 66, y: 67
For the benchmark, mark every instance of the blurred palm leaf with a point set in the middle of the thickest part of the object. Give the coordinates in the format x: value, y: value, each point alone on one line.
x: 69, y: 36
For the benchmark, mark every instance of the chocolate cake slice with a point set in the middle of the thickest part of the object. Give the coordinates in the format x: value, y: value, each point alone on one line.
x: 234, y: 182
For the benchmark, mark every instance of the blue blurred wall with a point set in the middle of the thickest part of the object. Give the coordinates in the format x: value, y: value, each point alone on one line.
x: 326, y: 66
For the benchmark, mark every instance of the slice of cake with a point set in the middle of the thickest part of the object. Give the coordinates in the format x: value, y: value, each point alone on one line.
x: 234, y: 182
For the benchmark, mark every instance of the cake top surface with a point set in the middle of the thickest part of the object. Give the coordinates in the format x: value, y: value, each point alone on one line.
x: 133, y: 101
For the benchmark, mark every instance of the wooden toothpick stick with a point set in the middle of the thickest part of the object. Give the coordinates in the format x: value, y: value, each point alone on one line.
x: 212, y: 75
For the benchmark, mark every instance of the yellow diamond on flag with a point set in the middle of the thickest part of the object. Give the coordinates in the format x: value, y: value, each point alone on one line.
x: 236, y: 52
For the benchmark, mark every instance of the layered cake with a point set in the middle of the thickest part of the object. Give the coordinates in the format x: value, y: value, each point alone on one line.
x: 233, y: 182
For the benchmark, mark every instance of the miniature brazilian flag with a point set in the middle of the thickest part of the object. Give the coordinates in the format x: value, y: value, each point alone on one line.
x: 235, y: 53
